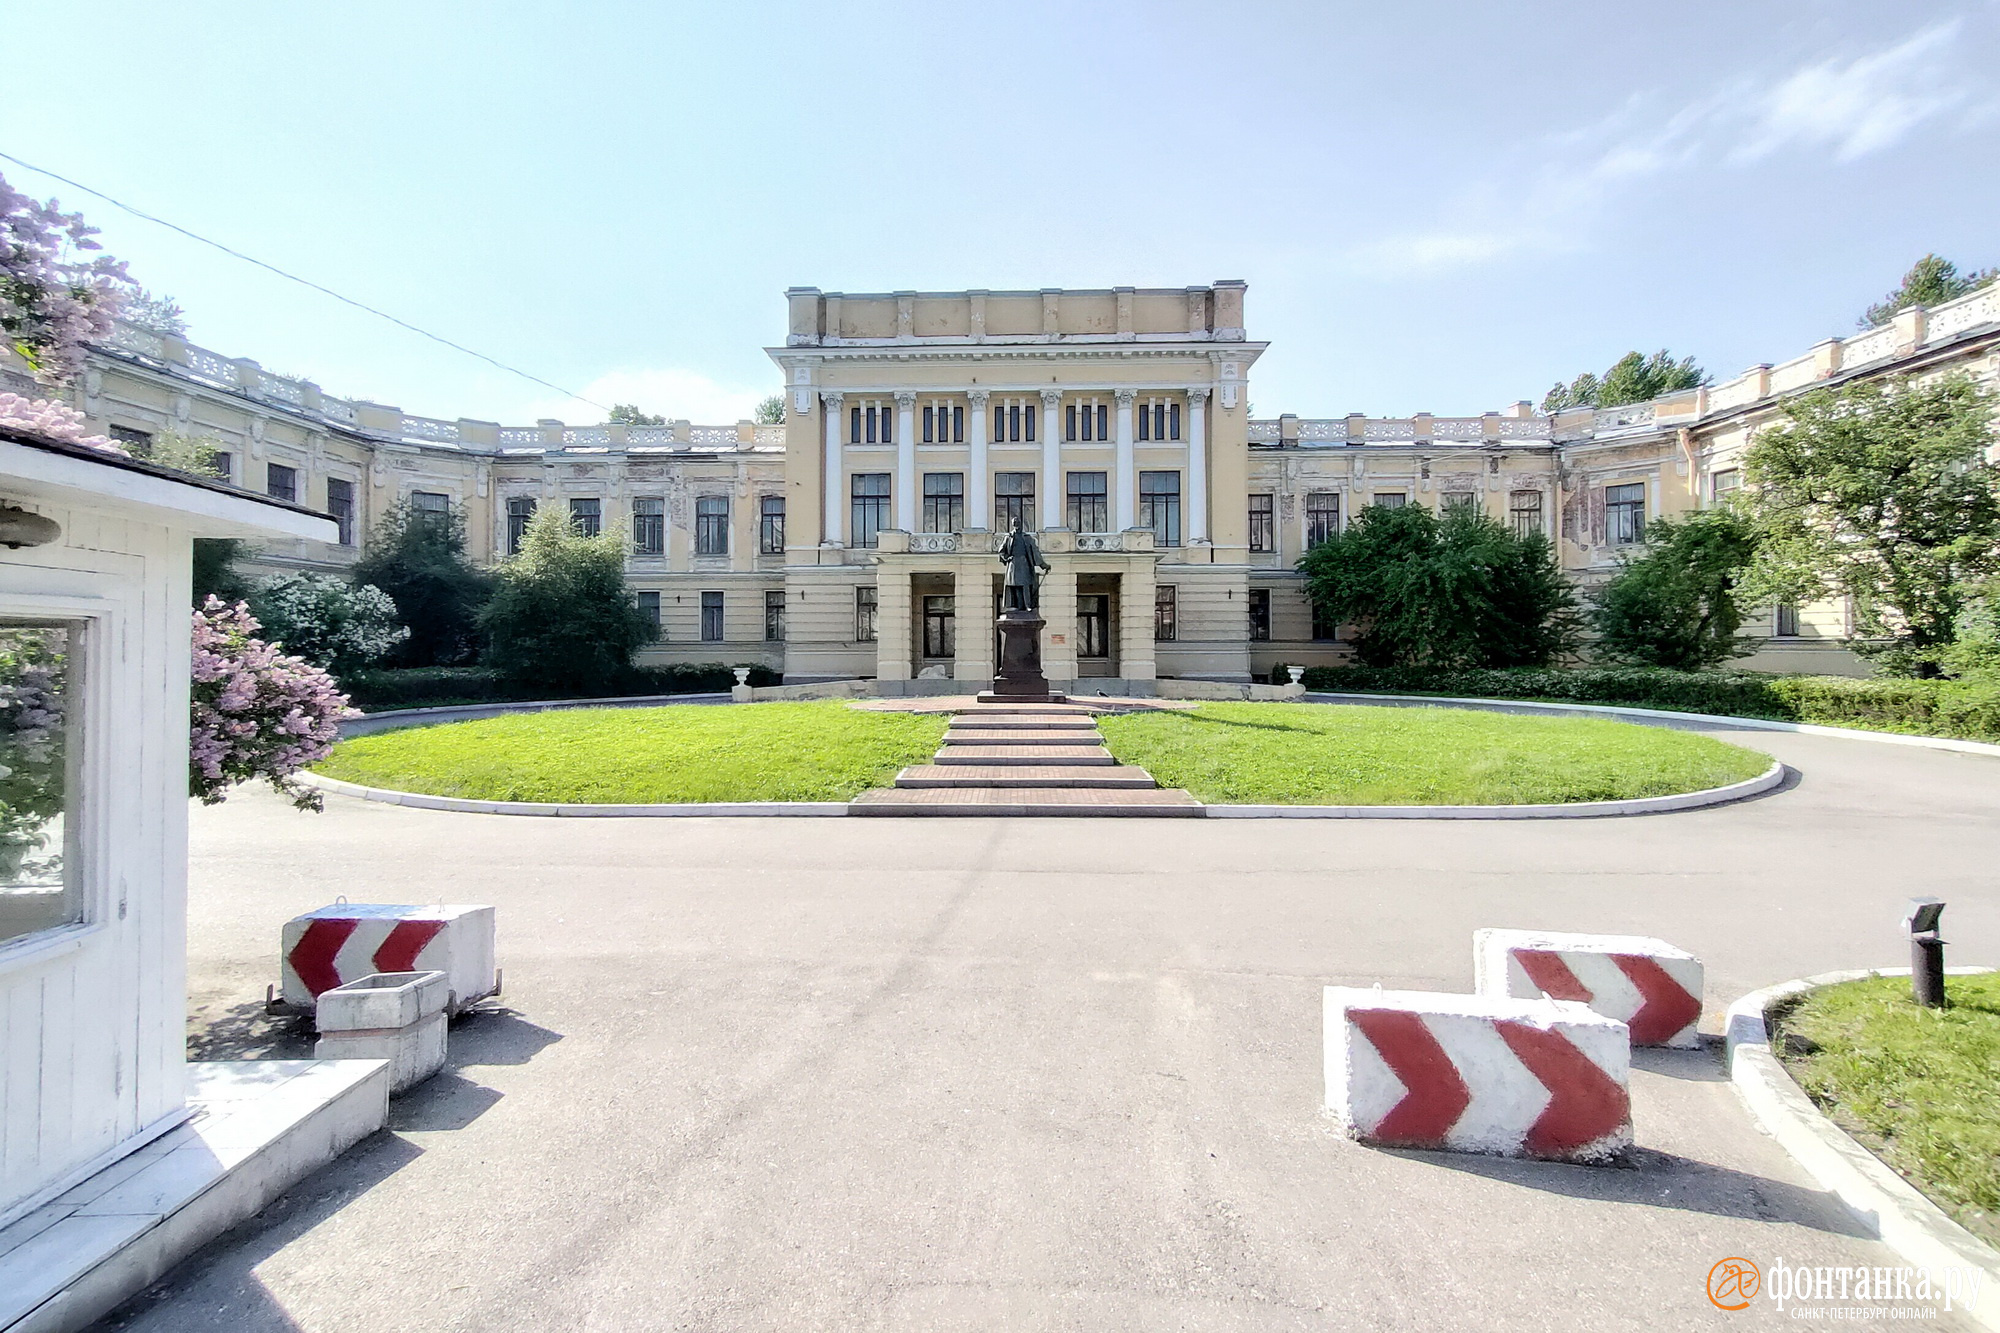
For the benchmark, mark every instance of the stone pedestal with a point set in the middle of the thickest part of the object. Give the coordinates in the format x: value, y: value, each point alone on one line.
x: 1020, y: 675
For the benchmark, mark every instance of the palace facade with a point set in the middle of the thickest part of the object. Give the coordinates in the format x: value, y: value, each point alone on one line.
x: 858, y: 538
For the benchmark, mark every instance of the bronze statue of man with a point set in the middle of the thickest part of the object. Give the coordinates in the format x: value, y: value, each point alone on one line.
x: 1022, y: 557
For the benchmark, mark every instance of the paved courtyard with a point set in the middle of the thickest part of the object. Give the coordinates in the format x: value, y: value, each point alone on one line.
x: 1022, y: 1074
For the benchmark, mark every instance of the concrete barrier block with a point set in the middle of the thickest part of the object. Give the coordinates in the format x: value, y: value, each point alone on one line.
x: 1478, y: 1073
x: 1647, y: 984
x: 383, y: 1000
x: 348, y: 941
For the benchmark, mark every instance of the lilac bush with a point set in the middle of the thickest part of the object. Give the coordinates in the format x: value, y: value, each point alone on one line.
x: 46, y: 417
x: 257, y: 712
x: 56, y: 295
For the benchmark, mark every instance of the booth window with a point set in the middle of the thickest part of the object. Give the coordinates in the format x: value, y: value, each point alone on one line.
x: 39, y: 662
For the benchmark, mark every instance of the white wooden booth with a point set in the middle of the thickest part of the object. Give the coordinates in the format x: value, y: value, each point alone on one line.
x: 94, y: 661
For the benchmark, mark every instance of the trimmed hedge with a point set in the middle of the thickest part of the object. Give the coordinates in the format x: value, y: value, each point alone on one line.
x: 430, y: 687
x: 1967, y: 709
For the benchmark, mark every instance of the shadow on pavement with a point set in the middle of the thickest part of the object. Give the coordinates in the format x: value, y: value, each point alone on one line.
x: 443, y: 1101
x: 1656, y: 1179
x: 217, y: 1287
x: 497, y: 1037
x: 245, y: 1032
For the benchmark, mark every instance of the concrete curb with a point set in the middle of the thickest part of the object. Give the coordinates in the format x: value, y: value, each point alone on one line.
x: 1770, y: 778
x: 395, y: 718
x: 1658, y: 715
x: 1888, y: 1206
x: 420, y: 801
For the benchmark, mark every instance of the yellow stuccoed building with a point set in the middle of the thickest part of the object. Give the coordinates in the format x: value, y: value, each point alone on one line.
x: 858, y: 538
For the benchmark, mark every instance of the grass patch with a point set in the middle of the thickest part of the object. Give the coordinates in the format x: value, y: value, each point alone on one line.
x: 1331, y: 754
x: 1920, y: 1087
x: 817, y: 751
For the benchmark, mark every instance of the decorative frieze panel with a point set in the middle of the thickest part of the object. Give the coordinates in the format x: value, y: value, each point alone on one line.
x: 933, y: 543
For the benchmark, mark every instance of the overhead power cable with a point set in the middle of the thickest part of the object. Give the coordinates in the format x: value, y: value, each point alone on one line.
x: 303, y: 282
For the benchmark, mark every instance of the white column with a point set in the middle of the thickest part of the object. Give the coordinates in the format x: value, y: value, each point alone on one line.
x: 836, y: 422
x: 978, y: 511
x: 1052, y: 479
x: 1124, y: 481
x: 1197, y: 499
x: 906, y: 459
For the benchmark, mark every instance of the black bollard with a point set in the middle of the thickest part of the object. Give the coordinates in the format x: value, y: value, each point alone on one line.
x: 1926, y: 951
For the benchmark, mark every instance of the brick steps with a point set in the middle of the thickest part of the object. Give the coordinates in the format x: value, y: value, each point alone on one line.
x: 1025, y: 722
x: 1025, y: 775
x: 1046, y: 755
x: 970, y: 802
x: 957, y: 737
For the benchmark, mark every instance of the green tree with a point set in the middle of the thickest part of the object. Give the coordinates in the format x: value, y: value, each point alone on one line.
x: 197, y: 454
x: 626, y: 414
x: 1459, y: 590
x: 1880, y: 491
x: 328, y: 621
x: 771, y: 411
x: 418, y: 558
x: 215, y: 572
x: 1632, y: 379
x: 1930, y: 281
x: 1674, y: 604
x: 561, y: 616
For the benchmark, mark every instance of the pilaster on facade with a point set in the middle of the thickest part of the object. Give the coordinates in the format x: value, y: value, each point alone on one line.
x: 893, y: 621
x: 972, y: 586
x: 978, y: 501
x: 1136, y: 592
x: 831, y: 518
x: 1125, y: 507
x: 1198, y: 480
x: 906, y: 460
x: 1052, y: 478
x: 1058, y: 611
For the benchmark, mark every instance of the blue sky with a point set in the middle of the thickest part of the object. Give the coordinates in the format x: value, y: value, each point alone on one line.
x: 1438, y: 207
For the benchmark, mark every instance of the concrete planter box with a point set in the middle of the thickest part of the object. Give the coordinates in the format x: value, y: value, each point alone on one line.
x: 393, y: 1016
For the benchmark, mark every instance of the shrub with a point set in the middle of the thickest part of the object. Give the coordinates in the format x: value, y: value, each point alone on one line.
x: 1456, y: 590
x: 328, y: 621
x: 418, y: 558
x: 1967, y: 709
x: 431, y: 687
x: 256, y: 712
x: 562, y: 617
x: 1674, y: 604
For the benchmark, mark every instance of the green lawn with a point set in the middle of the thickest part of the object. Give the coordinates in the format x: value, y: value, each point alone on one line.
x: 1921, y: 1087
x: 820, y: 751
x: 1333, y: 754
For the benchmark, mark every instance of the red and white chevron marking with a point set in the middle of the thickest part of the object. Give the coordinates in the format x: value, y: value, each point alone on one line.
x: 1647, y: 984
x: 348, y: 941
x: 1475, y: 1073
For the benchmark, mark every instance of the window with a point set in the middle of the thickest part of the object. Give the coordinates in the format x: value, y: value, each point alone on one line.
x: 649, y: 525
x: 944, y: 423
x: 939, y: 615
x: 340, y: 507
x: 1459, y: 499
x: 870, y: 506
x: 1093, y: 625
x: 1013, y: 421
x: 1159, y: 420
x: 433, y: 505
x: 1086, y: 421
x: 1390, y: 499
x: 1013, y: 497
x: 771, y: 525
x: 38, y: 837
x: 864, y: 614
x: 1625, y: 513
x: 586, y: 515
x: 1524, y: 508
x: 1088, y: 507
x: 224, y: 465
x: 1324, y: 627
x: 649, y: 607
x: 1260, y: 615
x: 871, y: 422
x: 1166, y: 613
x: 1724, y: 484
x: 281, y: 482
x: 774, y: 615
x: 141, y: 442
x: 711, y: 525
x: 1160, y: 506
x: 1788, y: 621
x: 711, y: 617
x: 1263, y: 522
x: 1322, y: 517
x: 520, y: 509
x: 944, y: 501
